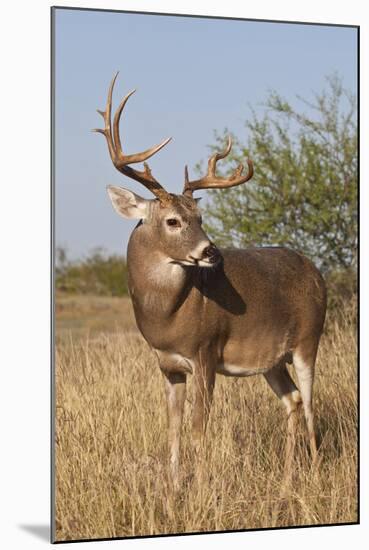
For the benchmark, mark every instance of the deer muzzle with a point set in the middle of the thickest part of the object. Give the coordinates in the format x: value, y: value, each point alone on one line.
x: 211, y: 254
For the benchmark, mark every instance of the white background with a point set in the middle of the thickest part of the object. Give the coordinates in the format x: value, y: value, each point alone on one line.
x: 25, y: 274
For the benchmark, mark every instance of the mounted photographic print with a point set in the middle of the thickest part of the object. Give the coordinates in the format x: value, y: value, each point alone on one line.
x: 205, y: 182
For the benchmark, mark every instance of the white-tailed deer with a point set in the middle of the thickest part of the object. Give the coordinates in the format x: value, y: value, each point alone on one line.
x: 205, y: 310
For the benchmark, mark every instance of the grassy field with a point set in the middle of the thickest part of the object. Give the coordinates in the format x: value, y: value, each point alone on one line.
x: 111, y: 437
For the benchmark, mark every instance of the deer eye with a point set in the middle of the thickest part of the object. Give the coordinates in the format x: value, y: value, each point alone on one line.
x: 173, y: 222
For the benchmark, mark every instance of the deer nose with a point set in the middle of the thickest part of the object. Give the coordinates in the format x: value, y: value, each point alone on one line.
x: 211, y: 253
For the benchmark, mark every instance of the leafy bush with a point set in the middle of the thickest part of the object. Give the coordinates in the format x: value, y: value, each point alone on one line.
x: 304, y: 191
x: 99, y: 273
x: 342, y: 289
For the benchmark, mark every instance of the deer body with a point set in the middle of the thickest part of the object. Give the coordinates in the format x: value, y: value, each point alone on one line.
x: 254, y: 308
x: 204, y: 310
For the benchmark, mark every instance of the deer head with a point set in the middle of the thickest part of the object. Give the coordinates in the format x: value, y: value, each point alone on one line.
x: 174, y: 220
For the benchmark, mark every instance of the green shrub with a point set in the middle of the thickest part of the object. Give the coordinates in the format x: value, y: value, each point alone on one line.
x: 99, y: 273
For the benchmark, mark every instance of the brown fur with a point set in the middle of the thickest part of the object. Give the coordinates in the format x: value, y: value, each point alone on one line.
x: 253, y: 311
x: 242, y: 312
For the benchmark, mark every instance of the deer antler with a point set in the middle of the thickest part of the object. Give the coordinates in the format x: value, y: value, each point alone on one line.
x: 120, y: 160
x: 211, y: 180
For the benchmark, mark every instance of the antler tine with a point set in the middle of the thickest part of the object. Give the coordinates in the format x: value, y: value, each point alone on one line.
x: 186, y: 175
x: 212, y: 181
x: 120, y: 160
x: 138, y: 157
x: 117, y: 120
x: 107, y: 119
x: 225, y: 152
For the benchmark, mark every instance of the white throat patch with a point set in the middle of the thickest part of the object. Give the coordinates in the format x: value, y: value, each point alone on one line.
x: 165, y: 272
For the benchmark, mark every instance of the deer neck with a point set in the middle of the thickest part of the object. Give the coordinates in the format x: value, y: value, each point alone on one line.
x: 158, y: 286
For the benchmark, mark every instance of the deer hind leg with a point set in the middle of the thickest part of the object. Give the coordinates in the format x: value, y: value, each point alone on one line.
x: 175, y: 386
x: 283, y: 386
x: 304, y: 363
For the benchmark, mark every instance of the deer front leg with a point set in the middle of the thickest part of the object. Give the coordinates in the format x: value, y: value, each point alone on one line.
x: 174, y: 368
x: 204, y: 380
x: 175, y: 387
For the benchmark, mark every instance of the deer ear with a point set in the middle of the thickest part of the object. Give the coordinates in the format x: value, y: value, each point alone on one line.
x: 127, y: 203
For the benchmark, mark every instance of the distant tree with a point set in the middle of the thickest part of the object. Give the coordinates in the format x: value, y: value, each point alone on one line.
x: 99, y: 273
x: 304, y: 191
x: 61, y: 260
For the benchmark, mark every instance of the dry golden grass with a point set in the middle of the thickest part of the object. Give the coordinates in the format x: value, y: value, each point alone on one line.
x: 111, y: 438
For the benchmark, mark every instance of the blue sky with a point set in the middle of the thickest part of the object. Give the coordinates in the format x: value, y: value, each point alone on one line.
x: 192, y: 75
